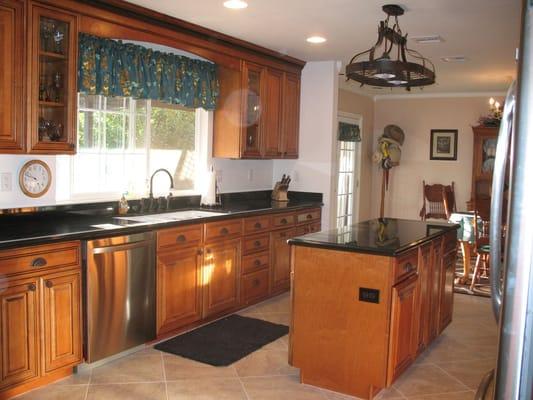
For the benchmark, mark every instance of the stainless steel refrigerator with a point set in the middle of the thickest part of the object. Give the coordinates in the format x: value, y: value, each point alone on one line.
x: 512, y: 279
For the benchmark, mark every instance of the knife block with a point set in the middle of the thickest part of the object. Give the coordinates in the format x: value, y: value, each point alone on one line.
x: 280, y: 192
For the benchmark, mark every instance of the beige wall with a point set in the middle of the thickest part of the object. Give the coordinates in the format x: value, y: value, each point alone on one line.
x: 417, y: 116
x: 364, y: 106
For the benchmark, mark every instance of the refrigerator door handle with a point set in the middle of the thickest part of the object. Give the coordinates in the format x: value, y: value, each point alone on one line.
x: 498, y: 182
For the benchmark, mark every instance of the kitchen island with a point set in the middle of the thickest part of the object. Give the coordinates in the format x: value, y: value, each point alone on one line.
x: 367, y: 300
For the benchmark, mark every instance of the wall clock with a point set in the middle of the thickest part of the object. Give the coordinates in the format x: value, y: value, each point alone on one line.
x: 35, y: 178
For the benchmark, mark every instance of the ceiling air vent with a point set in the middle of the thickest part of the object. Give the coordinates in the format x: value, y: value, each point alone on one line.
x: 451, y: 59
x: 428, y: 39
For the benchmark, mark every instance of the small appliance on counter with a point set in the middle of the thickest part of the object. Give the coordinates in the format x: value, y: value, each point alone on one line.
x: 279, y: 194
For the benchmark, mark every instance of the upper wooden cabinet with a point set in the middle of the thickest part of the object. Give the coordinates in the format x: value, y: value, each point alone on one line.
x: 12, y: 39
x: 258, y: 114
x: 52, y: 70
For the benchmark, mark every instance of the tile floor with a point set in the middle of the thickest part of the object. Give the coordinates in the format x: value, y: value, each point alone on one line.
x: 450, y: 370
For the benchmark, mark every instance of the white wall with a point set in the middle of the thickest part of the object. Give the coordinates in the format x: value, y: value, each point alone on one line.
x: 243, y: 175
x: 312, y: 171
x: 417, y: 116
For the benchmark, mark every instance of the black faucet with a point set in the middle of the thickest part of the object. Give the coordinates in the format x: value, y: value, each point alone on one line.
x: 154, y: 205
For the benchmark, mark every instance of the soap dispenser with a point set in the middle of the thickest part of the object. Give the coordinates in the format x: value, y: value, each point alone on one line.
x: 123, y: 205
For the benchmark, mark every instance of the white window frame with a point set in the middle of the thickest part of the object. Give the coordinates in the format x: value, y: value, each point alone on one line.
x: 351, y: 119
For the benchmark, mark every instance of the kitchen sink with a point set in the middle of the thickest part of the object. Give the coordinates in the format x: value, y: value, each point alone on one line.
x: 170, y: 216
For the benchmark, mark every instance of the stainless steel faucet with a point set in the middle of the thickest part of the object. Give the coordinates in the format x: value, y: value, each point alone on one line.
x: 152, y: 180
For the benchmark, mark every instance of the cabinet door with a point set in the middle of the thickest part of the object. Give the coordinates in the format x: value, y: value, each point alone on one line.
x: 19, y: 332
x: 423, y: 296
x: 252, y: 130
x: 280, y: 259
x: 12, y: 40
x: 62, y: 320
x: 403, y: 336
x: 291, y: 116
x: 179, y: 288
x: 272, y: 113
x: 221, y: 276
x: 434, y: 288
x: 53, y: 70
x: 446, y: 288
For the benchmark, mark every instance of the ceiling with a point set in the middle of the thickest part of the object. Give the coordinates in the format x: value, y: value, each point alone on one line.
x: 484, y: 31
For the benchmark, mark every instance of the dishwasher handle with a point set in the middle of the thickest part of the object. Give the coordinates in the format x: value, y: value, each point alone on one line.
x: 121, y: 247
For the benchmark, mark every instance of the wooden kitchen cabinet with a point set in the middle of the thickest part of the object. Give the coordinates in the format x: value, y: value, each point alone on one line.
x: 434, y: 288
x: 19, y: 302
x: 12, y: 40
x: 446, y: 287
x: 280, y: 259
x: 404, y: 328
x: 52, y: 68
x: 290, y: 123
x: 61, y: 320
x: 273, y: 114
x: 423, y: 298
x: 221, y: 276
x: 254, y: 94
x: 179, y: 288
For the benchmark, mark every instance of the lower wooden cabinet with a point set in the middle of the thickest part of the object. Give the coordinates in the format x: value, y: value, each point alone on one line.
x: 446, y: 295
x: 61, y: 320
x: 19, y: 302
x: 221, y: 276
x: 254, y: 286
x: 434, y: 289
x: 422, y: 296
x: 404, y: 327
x: 280, y: 259
x: 179, y: 288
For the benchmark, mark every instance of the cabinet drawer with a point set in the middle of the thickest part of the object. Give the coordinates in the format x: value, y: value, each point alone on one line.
x: 256, y: 224
x: 254, y: 262
x: 179, y: 237
x: 223, y: 230
x: 406, y: 265
x: 254, y: 286
x: 308, y: 216
x: 307, y: 228
x: 450, y: 242
x: 256, y: 243
x: 36, y: 258
x: 283, y: 220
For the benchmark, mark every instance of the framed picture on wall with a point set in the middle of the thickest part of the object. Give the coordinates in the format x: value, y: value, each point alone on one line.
x: 443, y: 144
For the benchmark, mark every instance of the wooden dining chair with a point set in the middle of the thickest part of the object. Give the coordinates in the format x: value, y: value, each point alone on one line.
x: 438, y: 201
x: 482, y: 251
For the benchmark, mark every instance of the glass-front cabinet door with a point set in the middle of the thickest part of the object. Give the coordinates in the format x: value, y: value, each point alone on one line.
x: 53, y: 62
x: 253, y: 109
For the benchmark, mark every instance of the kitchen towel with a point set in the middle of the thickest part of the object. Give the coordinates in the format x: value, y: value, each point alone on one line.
x: 209, y: 193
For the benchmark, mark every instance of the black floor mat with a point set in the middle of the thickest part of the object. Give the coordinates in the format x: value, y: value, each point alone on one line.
x: 224, y: 341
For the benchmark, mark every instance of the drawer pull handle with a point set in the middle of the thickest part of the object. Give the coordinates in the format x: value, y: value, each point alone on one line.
x: 309, y: 216
x: 200, y: 252
x: 257, y: 282
x: 181, y: 238
x: 32, y: 287
x: 257, y: 243
x: 208, y: 251
x: 49, y: 284
x: 409, y: 267
x: 224, y: 231
x: 39, y: 262
x: 257, y: 263
x: 284, y: 221
x: 258, y: 225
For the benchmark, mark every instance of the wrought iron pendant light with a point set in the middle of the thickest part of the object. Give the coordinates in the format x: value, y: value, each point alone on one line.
x: 391, y: 68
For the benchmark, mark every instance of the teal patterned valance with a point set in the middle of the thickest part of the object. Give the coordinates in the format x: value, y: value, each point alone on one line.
x: 113, y: 68
x: 349, y: 132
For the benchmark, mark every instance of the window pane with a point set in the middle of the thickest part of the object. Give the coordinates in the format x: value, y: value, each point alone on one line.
x: 114, y: 130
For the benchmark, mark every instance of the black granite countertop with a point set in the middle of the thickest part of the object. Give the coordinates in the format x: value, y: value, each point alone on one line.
x: 78, y: 222
x: 388, y: 236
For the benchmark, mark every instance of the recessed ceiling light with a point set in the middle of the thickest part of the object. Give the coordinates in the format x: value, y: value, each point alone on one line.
x: 427, y: 39
x: 316, y: 39
x: 450, y: 59
x: 235, y: 4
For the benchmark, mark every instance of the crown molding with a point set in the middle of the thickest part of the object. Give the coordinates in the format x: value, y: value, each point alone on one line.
x: 436, y: 95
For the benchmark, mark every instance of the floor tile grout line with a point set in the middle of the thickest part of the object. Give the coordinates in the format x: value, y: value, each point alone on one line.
x: 422, y: 396
x: 243, y: 388
x: 88, y: 384
x: 164, y: 374
x: 453, y: 377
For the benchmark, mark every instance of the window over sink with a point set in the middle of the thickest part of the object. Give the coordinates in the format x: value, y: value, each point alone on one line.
x: 122, y: 141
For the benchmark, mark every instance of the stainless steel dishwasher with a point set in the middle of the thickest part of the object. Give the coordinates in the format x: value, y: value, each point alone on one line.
x: 120, y: 294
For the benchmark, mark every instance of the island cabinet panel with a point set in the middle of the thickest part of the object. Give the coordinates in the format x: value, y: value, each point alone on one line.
x: 280, y: 259
x: 179, y: 288
x: 12, y: 40
x: 62, y: 320
x: 404, y: 327
x: 221, y: 277
x: 446, y: 288
x: 434, y: 288
x: 423, y: 298
x: 19, y: 332
x: 339, y: 337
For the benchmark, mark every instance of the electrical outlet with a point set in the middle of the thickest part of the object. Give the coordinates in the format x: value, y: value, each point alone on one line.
x: 250, y: 175
x: 6, y: 184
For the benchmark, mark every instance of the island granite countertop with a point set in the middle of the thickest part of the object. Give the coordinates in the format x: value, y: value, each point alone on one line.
x: 387, y: 236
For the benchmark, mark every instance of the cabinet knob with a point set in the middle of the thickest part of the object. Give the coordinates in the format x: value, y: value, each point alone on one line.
x: 257, y: 263
x: 256, y: 282
x: 257, y: 243
x: 409, y: 267
x: 309, y: 216
x: 49, y: 284
x: 208, y: 251
x: 283, y: 221
x: 224, y: 231
x: 257, y: 225
x: 39, y: 262
x: 32, y: 287
x: 181, y: 238
x: 200, y: 252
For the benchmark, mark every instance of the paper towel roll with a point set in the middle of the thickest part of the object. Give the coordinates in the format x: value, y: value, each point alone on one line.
x: 209, y: 194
